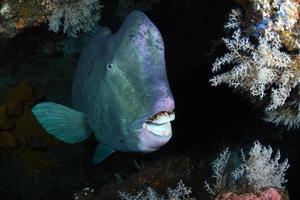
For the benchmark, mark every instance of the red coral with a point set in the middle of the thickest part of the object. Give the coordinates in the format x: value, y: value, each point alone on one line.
x: 268, y: 194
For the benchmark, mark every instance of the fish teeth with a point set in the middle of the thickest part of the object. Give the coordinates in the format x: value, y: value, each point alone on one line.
x: 160, y: 124
x: 160, y: 129
x: 162, y: 117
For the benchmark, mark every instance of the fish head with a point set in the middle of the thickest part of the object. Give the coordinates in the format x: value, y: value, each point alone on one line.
x: 140, y: 102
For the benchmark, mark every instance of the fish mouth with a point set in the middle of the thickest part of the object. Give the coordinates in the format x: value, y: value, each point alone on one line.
x: 160, y: 123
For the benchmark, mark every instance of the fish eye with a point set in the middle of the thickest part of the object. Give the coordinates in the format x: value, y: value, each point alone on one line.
x: 110, y: 66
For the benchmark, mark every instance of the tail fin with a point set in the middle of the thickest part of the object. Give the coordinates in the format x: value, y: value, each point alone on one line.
x: 62, y: 122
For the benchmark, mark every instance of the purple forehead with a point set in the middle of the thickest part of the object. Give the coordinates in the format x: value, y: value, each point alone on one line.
x: 144, y: 39
x: 147, y: 38
x: 148, y: 42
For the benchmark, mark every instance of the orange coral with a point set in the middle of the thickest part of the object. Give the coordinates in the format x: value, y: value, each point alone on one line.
x: 18, y: 127
x: 20, y: 24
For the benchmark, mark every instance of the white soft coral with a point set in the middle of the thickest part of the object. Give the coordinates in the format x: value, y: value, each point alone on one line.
x: 258, y: 169
x: 258, y: 64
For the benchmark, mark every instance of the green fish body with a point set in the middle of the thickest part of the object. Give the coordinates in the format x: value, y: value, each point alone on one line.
x: 120, y: 93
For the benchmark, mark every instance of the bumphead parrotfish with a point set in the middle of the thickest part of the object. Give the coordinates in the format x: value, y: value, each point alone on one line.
x: 120, y: 93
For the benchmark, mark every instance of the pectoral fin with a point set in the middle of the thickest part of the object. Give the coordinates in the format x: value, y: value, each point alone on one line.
x: 101, y: 152
x: 62, y: 122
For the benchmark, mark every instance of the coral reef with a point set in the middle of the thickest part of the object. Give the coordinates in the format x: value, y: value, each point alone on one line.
x: 269, y: 194
x: 20, y: 133
x: 16, y: 15
x: 160, y: 175
x: 181, y: 192
x: 288, y: 115
x: 31, y: 160
x: 73, y: 15
x: 13, y: 101
x: 263, y: 53
x: 70, y: 16
x: 257, y: 175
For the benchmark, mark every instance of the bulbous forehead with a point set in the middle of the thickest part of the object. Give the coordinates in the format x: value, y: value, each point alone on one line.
x: 139, y: 39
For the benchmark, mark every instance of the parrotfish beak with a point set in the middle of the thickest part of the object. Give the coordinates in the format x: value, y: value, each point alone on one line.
x: 160, y: 123
x: 157, y: 130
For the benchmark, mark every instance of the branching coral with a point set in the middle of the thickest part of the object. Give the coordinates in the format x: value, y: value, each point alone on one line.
x: 259, y: 63
x: 181, y: 192
x: 288, y: 115
x: 258, y: 170
x: 17, y: 15
x: 261, y: 169
x: 263, y: 52
x: 220, y: 168
x: 74, y: 16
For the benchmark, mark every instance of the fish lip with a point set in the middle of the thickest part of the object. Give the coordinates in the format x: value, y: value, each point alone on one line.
x: 157, y: 121
x: 153, y: 117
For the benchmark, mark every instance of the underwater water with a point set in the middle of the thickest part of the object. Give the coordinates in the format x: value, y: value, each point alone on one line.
x: 38, y: 65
